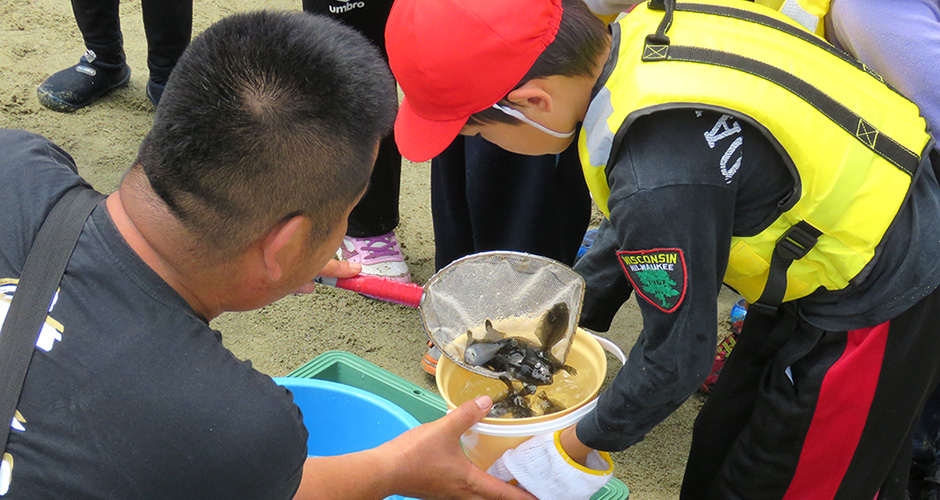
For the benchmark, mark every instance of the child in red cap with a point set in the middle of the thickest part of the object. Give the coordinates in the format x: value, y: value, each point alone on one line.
x: 724, y: 144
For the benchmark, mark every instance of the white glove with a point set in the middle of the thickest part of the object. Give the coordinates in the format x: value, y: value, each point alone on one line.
x: 541, y: 466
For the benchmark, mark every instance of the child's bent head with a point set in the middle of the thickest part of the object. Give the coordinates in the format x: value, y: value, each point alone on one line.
x: 455, y: 59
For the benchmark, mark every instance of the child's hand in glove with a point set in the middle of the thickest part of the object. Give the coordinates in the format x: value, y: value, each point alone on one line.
x: 541, y: 466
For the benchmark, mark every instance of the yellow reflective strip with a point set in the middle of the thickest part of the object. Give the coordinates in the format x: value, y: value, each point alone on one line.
x: 604, y: 455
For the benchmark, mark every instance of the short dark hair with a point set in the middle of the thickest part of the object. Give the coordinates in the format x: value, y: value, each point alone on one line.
x: 268, y: 115
x: 581, y: 39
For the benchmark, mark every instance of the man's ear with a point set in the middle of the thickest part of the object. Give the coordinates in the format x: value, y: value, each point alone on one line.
x: 533, y: 96
x: 284, y: 236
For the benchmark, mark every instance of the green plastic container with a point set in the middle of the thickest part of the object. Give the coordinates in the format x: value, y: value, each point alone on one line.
x: 613, y: 490
x: 425, y: 406
x: 347, y: 368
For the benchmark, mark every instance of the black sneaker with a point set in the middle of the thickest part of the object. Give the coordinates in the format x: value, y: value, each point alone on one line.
x: 82, y: 84
x: 155, y: 91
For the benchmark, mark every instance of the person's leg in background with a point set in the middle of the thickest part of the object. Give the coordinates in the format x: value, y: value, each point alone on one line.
x: 100, y: 24
x: 485, y: 198
x: 100, y: 70
x: 169, y: 27
x: 453, y: 230
x: 370, y: 239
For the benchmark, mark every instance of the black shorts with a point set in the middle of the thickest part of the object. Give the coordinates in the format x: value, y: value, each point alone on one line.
x: 803, y: 413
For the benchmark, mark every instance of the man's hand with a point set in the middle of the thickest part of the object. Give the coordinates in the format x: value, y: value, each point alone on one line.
x: 333, y: 269
x: 340, y: 269
x: 432, y: 465
x: 426, y: 462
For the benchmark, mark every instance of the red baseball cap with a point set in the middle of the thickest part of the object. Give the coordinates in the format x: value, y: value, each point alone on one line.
x: 454, y: 58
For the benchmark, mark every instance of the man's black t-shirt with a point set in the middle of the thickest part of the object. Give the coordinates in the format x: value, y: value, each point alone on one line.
x: 129, y: 393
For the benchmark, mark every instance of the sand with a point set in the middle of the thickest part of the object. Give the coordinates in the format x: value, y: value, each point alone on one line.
x: 39, y: 37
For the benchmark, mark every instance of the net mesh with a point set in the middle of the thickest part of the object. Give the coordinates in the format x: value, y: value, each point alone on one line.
x: 511, y: 289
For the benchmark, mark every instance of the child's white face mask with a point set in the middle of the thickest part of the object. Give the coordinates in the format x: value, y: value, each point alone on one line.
x: 515, y: 113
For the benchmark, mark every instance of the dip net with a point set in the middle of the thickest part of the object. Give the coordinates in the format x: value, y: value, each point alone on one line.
x: 511, y: 289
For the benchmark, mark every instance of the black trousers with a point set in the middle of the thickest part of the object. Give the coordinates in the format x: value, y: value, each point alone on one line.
x: 167, y: 23
x: 802, y: 413
x: 377, y: 211
x: 485, y: 198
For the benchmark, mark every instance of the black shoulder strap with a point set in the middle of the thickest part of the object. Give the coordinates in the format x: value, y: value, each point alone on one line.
x: 793, y: 245
x: 38, y: 282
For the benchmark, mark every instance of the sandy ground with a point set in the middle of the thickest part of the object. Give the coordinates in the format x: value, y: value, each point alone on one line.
x: 39, y: 37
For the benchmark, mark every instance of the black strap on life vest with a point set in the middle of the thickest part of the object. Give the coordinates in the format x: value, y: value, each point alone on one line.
x: 659, y: 48
x: 660, y: 38
x: 770, y: 22
x: 793, y: 245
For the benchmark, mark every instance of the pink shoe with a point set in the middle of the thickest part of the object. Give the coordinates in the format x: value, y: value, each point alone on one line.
x: 379, y: 256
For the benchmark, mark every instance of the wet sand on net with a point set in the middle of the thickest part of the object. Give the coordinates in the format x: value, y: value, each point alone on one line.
x: 39, y: 37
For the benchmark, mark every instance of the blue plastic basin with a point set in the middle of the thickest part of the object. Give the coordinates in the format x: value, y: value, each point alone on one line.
x: 344, y: 419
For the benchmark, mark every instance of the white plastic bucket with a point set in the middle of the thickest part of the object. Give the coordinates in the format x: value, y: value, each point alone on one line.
x: 486, y: 441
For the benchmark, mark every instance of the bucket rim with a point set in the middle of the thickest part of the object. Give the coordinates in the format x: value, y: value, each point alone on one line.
x: 591, y: 348
x: 533, y: 429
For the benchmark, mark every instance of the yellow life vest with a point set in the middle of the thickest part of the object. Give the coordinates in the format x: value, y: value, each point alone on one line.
x: 853, y: 145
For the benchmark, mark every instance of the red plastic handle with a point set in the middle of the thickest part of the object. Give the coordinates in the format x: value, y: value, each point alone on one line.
x: 408, y: 294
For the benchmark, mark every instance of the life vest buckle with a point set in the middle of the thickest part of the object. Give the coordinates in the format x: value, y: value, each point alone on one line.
x: 797, y: 241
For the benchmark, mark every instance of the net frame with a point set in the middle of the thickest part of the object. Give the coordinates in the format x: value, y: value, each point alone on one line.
x: 500, y: 286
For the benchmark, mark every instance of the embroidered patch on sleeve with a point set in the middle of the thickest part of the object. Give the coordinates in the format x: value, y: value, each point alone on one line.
x: 658, y: 275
